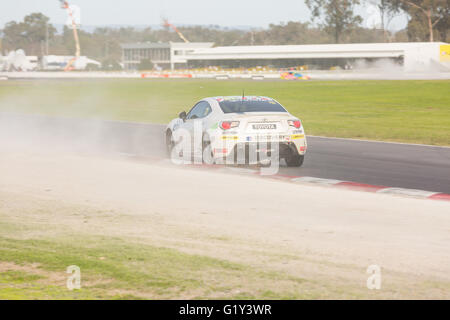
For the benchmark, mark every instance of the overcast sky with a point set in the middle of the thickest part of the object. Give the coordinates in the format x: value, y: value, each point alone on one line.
x: 257, y: 13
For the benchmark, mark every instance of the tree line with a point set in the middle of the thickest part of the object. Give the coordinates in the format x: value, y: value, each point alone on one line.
x: 428, y: 20
x: 332, y: 21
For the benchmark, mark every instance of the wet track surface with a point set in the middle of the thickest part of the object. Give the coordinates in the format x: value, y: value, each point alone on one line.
x: 385, y: 164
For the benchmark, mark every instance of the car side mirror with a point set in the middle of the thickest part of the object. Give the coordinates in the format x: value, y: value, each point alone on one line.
x: 183, y: 116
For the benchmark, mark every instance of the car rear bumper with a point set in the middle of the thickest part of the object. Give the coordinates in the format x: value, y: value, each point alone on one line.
x: 243, y: 152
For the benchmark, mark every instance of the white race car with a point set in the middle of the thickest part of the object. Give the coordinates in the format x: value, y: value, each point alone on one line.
x: 237, y: 129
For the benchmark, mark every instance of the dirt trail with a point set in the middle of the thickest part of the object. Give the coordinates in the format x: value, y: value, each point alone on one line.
x: 303, y: 230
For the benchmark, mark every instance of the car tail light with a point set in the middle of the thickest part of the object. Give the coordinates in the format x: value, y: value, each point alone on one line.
x: 295, y: 123
x: 225, y: 125
x: 224, y: 150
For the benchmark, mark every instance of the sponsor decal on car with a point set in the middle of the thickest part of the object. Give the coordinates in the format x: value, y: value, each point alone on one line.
x: 297, y: 136
x: 229, y: 137
x: 262, y: 138
x: 240, y: 98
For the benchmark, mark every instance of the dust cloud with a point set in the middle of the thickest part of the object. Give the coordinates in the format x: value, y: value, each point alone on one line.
x: 43, y: 134
x: 380, y: 65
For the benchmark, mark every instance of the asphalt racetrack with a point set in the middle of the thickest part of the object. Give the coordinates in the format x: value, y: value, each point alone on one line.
x: 377, y: 163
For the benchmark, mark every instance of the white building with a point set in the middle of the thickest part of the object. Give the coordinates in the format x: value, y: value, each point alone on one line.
x: 413, y: 56
x: 55, y: 63
x: 166, y: 55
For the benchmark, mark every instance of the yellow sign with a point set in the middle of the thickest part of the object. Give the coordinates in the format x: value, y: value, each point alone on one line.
x: 297, y: 136
x: 444, y: 55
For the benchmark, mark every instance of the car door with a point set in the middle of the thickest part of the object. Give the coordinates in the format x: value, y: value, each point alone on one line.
x: 195, y: 123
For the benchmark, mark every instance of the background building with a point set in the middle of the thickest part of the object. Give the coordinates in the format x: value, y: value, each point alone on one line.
x: 58, y: 63
x: 410, y: 56
x: 169, y: 55
x: 413, y: 56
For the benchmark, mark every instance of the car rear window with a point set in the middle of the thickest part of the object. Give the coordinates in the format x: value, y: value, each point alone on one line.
x: 239, y: 106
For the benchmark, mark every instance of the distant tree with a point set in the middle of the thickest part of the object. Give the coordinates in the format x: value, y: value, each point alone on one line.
x: 442, y: 27
x: 426, y: 13
x: 291, y: 33
x: 29, y: 34
x: 14, y: 35
x: 145, y: 64
x: 111, y: 65
x: 336, y: 15
x: 364, y: 35
x: 92, y: 67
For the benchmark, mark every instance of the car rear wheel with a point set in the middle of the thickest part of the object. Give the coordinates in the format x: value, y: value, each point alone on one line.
x: 169, y: 143
x: 206, y: 143
x: 295, y: 160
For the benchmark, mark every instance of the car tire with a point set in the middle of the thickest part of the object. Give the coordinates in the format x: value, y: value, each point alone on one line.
x: 169, y: 143
x: 206, y: 142
x: 295, y: 160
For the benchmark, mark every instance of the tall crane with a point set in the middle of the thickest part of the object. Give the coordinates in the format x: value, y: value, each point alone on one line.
x: 166, y: 23
x: 65, y: 5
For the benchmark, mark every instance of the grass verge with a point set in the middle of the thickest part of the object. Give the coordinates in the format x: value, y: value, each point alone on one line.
x: 405, y: 111
x: 113, y: 268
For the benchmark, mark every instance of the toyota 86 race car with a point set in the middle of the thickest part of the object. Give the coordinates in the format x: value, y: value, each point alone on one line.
x: 240, y: 130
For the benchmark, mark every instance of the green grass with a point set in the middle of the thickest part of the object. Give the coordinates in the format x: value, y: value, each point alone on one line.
x: 17, y: 277
x: 405, y: 111
x: 114, y: 268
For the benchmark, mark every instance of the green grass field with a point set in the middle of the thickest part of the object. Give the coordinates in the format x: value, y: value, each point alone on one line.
x: 124, y: 268
x: 117, y: 267
x: 404, y: 111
